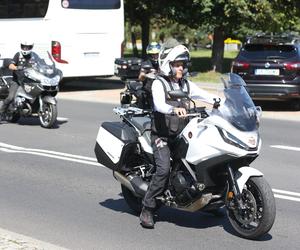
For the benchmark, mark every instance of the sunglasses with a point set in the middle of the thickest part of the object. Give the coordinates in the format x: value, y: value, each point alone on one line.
x: 179, y: 64
x: 26, y: 47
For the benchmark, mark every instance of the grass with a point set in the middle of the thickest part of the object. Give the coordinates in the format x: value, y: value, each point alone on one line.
x: 201, y: 64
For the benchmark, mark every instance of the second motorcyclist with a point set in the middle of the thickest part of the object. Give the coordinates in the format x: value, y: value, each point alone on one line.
x: 25, y: 57
x: 151, y: 64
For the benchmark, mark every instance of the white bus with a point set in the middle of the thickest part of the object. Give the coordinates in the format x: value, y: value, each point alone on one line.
x: 83, y: 36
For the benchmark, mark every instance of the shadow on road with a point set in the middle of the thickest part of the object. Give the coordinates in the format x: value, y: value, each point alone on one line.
x: 91, y: 83
x: 34, y: 121
x: 196, y: 220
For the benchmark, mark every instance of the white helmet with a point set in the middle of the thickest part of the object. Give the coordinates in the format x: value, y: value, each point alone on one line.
x: 26, y: 47
x: 169, y: 55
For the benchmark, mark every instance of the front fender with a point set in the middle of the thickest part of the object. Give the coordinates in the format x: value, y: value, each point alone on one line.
x: 49, y: 99
x: 244, y: 173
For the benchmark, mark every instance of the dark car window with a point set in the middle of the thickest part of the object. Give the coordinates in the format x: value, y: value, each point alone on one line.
x: 23, y: 9
x: 91, y: 4
x: 265, y: 51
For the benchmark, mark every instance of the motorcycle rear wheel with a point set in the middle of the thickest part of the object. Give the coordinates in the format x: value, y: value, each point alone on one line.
x: 48, y: 116
x: 258, y: 216
x: 135, y: 203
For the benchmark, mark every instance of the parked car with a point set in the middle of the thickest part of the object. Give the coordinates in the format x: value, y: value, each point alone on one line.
x: 270, y: 66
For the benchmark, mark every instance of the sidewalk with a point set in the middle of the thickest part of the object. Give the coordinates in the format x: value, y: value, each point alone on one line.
x: 112, y: 96
x: 12, y: 241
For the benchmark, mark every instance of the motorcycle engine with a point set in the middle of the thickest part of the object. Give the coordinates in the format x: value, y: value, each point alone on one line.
x: 184, y: 188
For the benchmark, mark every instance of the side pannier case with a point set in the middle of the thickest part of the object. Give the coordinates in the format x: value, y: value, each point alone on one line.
x: 115, y: 142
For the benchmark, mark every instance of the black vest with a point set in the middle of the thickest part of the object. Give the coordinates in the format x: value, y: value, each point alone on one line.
x: 168, y: 125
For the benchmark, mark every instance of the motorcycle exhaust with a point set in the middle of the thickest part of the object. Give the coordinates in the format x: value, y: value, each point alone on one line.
x: 198, y: 204
x: 134, y: 183
x: 123, y: 180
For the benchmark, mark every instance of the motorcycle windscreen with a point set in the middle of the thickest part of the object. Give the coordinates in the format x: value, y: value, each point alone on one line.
x: 238, y: 108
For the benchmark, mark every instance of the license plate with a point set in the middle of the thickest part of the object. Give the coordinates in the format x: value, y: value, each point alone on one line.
x: 135, y: 67
x: 271, y: 72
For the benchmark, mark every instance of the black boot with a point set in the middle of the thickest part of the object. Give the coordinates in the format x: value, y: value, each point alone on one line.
x: 146, y: 218
x: 2, y: 106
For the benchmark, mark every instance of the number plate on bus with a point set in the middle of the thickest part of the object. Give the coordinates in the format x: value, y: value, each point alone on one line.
x: 272, y: 72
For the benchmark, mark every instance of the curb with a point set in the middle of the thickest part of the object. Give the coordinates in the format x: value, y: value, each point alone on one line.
x: 112, y: 96
x: 11, y: 240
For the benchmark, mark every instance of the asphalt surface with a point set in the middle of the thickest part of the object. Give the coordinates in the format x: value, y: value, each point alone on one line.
x: 53, y: 191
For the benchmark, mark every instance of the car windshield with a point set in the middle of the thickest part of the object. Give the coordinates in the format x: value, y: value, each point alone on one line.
x: 266, y: 51
x: 238, y: 107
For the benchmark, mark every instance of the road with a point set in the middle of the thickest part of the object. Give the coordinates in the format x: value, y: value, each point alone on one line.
x: 52, y: 189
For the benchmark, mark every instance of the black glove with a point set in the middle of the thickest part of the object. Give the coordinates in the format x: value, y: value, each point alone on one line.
x: 216, y: 103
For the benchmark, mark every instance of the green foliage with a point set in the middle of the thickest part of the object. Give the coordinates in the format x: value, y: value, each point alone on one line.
x: 189, y: 19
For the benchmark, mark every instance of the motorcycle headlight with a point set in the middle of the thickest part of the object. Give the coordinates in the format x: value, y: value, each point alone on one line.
x: 51, y: 81
x: 232, y: 140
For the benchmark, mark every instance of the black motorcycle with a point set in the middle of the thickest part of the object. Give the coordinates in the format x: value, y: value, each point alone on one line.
x: 38, y: 86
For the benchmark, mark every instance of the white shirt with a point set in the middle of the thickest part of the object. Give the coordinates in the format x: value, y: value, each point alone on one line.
x: 159, y: 98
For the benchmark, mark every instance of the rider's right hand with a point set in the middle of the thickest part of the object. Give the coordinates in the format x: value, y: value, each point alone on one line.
x: 181, y: 112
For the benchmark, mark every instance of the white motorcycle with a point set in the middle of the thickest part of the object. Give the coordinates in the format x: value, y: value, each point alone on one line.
x: 38, y: 86
x: 210, y: 160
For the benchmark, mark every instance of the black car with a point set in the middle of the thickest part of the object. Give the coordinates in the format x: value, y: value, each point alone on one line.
x: 270, y: 66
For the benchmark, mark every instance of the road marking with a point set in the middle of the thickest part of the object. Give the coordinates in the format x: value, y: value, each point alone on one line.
x: 62, y: 119
x: 278, y: 193
x: 285, y: 192
x: 285, y: 147
x: 286, y: 195
x: 50, y: 154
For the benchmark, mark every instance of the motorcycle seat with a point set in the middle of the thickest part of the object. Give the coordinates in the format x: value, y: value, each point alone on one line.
x: 143, y: 124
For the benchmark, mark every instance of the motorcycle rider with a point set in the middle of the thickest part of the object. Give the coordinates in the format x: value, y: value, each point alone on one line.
x: 22, y: 58
x: 151, y: 64
x: 168, y: 119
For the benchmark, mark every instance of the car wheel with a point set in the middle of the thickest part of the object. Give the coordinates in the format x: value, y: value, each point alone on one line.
x: 295, y: 105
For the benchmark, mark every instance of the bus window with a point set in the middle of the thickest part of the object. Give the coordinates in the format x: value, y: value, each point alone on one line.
x: 91, y: 4
x: 23, y: 8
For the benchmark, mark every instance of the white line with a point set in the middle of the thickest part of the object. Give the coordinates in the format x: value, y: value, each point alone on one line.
x: 51, y: 156
x: 285, y: 147
x: 46, y: 151
x: 285, y: 192
x: 281, y: 194
x: 286, y: 197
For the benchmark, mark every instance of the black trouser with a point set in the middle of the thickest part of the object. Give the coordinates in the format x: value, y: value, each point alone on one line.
x: 161, y: 152
x: 13, y: 87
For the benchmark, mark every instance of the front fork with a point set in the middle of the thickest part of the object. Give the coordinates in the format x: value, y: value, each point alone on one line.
x: 41, y: 104
x: 234, y: 192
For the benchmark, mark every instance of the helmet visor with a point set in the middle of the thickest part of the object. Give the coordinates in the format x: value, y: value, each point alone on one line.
x: 26, y: 47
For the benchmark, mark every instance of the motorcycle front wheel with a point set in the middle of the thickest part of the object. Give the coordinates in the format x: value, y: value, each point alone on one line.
x: 48, y: 115
x: 257, y: 216
x: 135, y: 203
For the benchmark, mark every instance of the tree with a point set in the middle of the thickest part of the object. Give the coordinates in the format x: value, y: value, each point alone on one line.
x: 140, y: 13
x: 226, y: 17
